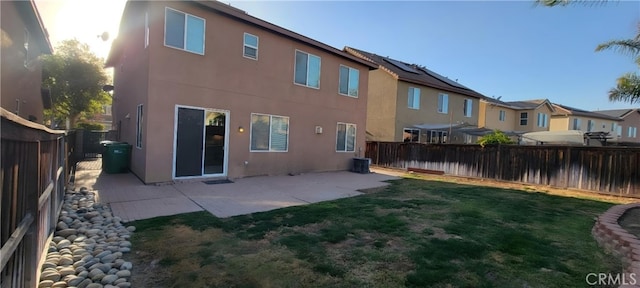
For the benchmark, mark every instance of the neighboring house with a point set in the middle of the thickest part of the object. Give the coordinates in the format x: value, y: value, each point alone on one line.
x: 627, y: 128
x: 498, y: 115
x: 532, y: 115
x: 202, y: 89
x: 24, y: 39
x: 411, y: 103
x: 570, y: 118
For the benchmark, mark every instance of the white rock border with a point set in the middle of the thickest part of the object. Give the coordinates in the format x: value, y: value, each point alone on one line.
x: 87, y: 248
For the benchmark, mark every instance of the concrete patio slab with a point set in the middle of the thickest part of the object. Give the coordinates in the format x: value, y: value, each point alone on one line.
x: 130, y: 199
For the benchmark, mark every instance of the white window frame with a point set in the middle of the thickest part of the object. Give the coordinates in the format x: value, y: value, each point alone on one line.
x: 139, y: 125
x: 346, y: 136
x: 186, y: 15
x: 619, y: 130
x: 468, y: 108
x: 146, y: 29
x: 245, y: 45
x: 613, y: 126
x: 411, y: 98
x: 576, y: 124
x: 307, y: 78
x: 542, y: 119
x: 348, y: 81
x: 26, y: 44
x: 443, y: 103
x: 270, y: 131
x: 502, y: 116
x: 404, y: 130
x: 632, y: 132
x: 591, y: 124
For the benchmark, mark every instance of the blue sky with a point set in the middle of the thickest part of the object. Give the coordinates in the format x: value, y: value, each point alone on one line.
x: 511, y: 49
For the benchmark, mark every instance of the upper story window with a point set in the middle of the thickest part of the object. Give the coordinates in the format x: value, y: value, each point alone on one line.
x: 349, y: 81
x: 613, y: 126
x: 543, y: 120
x: 307, y: 69
x: 590, y: 125
x: 576, y: 124
x: 503, y: 116
x: 524, y: 118
x: 184, y: 31
x: 443, y: 103
x: 250, y: 49
x: 414, y: 98
x: 146, y: 29
x: 633, y: 132
x: 26, y: 47
x: 468, y: 107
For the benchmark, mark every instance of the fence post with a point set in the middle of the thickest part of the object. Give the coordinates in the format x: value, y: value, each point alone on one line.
x: 498, y: 172
x: 567, y: 167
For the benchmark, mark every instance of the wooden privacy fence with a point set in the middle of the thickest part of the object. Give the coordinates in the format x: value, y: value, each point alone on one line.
x: 33, y: 176
x: 612, y: 170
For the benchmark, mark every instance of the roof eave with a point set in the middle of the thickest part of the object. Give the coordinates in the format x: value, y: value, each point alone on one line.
x: 479, y: 96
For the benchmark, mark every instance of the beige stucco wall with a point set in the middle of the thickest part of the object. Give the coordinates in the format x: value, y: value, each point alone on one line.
x: 223, y: 79
x: 532, y: 123
x: 428, y: 112
x: 489, y: 117
x: 381, y: 106
x: 19, y: 83
x: 130, y: 89
x: 565, y: 122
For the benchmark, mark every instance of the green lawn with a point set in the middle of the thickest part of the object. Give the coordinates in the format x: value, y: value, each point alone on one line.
x: 415, y: 233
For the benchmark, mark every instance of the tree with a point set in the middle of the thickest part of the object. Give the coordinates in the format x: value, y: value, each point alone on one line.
x: 495, y: 137
x: 628, y: 85
x: 75, y: 77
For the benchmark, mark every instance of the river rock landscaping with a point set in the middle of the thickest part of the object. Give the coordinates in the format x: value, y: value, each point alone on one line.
x: 88, y: 246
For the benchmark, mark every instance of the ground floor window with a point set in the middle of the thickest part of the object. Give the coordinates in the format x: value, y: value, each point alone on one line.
x: 269, y: 133
x: 435, y: 136
x: 410, y: 135
x: 139, y: 125
x: 346, y: 137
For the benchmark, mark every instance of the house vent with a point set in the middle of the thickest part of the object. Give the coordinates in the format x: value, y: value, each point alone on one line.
x: 318, y: 130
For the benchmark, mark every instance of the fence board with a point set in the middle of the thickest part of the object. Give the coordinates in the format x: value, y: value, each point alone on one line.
x: 612, y: 170
x: 33, y: 176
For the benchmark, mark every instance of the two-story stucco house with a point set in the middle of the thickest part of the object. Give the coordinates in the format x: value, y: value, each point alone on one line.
x: 202, y: 89
x: 532, y: 115
x: 570, y: 118
x: 411, y: 103
x: 24, y: 39
x: 627, y: 128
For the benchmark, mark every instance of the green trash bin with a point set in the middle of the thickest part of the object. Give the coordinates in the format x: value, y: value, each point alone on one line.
x: 104, y: 150
x: 117, y: 157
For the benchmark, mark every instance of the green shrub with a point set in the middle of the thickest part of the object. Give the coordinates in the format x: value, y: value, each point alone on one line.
x: 496, y: 137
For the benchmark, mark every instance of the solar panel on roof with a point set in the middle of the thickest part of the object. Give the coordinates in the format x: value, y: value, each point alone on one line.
x: 444, y: 79
x: 402, y: 66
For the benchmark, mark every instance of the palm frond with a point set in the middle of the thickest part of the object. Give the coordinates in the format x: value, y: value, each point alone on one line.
x: 552, y: 3
x: 627, y: 46
x: 627, y: 89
